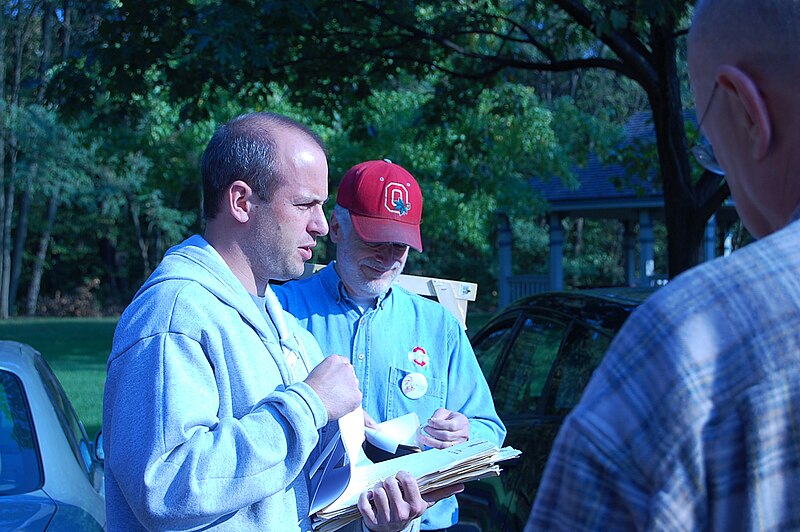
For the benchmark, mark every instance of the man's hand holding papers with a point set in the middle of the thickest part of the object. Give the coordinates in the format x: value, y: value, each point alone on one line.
x: 372, y: 490
x: 378, y: 512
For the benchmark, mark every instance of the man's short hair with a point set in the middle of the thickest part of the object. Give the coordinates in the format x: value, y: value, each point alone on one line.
x: 759, y: 35
x: 345, y: 222
x: 245, y: 149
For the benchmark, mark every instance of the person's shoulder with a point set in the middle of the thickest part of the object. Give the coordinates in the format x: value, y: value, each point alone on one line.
x: 412, y: 298
x: 159, y: 292
x: 289, y: 288
x: 294, y: 285
x: 167, y: 299
x: 427, y: 307
x: 701, y: 318
x: 303, y: 284
x: 161, y: 308
x: 295, y: 292
x: 756, y: 271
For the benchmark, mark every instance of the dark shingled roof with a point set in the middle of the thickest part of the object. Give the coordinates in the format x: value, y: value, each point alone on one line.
x: 606, y: 190
x: 599, y: 181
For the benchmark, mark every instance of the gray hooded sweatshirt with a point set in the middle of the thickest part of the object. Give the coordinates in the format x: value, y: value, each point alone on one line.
x: 205, y: 423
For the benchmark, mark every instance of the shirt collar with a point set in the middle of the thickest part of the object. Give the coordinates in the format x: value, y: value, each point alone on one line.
x: 331, y: 282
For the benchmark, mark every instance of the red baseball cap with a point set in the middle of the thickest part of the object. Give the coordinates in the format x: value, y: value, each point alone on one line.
x: 385, y: 203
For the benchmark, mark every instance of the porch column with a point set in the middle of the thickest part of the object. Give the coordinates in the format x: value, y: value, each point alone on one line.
x: 646, y: 241
x: 629, y: 253
x: 710, y: 238
x: 727, y: 244
x: 504, y: 242
x: 556, y: 253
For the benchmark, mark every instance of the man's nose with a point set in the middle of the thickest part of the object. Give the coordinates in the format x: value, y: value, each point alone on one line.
x: 386, y: 253
x: 318, y: 224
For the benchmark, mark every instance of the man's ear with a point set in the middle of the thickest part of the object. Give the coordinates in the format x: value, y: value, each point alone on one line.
x: 335, y: 229
x: 747, y: 98
x: 238, y: 201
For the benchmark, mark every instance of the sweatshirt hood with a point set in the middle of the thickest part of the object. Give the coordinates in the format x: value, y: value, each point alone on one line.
x: 196, y: 261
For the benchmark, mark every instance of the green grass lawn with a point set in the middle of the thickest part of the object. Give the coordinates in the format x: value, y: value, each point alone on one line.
x: 77, y: 350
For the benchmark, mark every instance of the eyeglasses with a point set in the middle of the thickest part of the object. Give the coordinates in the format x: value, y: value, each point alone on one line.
x: 703, y: 151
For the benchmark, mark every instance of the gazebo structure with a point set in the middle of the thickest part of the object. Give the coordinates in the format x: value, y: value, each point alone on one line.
x: 605, y: 192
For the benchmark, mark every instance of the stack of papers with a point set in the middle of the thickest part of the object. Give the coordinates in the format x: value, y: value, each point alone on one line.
x: 433, y: 469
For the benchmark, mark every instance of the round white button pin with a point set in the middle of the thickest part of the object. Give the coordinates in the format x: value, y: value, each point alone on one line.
x: 414, y: 385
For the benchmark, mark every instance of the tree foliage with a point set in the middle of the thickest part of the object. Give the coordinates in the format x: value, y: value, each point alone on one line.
x: 637, y: 39
x: 107, y: 105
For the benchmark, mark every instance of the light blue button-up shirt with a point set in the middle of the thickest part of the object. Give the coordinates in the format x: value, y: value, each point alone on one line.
x: 389, y: 342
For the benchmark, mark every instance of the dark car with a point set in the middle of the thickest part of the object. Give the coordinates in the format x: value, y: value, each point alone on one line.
x: 538, y: 355
x: 51, y: 478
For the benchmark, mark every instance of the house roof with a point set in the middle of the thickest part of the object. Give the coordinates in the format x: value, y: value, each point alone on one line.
x: 605, y: 190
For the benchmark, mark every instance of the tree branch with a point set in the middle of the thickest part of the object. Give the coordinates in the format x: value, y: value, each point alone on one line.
x: 504, y: 61
x: 710, y: 191
x: 529, y: 37
x: 631, y: 51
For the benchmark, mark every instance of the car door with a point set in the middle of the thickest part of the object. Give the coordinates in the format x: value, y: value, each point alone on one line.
x: 520, y: 356
x: 491, y: 346
x: 581, y: 350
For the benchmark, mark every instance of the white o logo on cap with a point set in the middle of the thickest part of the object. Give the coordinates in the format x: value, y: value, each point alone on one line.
x: 396, y: 199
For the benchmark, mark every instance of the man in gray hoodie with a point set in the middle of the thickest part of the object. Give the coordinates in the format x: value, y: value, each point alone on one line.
x: 215, y: 397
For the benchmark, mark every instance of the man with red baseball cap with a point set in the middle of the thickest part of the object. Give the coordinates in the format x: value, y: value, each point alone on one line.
x: 410, y: 354
x: 385, y: 203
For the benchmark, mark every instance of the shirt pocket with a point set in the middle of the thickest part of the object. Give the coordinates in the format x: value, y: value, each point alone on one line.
x: 398, y: 404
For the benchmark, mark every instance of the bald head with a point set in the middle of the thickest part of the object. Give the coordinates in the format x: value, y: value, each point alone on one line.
x: 246, y: 149
x: 744, y: 63
x: 759, y: 36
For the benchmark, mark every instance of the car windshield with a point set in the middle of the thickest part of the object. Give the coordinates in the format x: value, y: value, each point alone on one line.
x: 19, y: 460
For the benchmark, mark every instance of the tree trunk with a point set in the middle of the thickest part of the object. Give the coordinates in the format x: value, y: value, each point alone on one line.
x: 47, y: 46
x: 685, y: 215
x: 52, y: 207
x: 3, y: 133
x: 41, y: 254
x: 67, y: 29
x: 687, y: 205
x: 20, y: 238
x: 10, y: 191
x: 133, y: 209
x: 108, y: 253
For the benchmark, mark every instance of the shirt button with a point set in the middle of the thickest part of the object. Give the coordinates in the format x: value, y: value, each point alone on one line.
x: 361, y: 356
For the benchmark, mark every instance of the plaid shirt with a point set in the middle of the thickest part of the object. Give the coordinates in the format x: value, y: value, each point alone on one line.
x: 692, y: 421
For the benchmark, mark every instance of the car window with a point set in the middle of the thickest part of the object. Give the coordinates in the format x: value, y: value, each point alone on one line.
x: 583, y: 350
x: 524, y: 372
x: 20, y: 465
x: 490, y: 345
x: 70, y: 424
